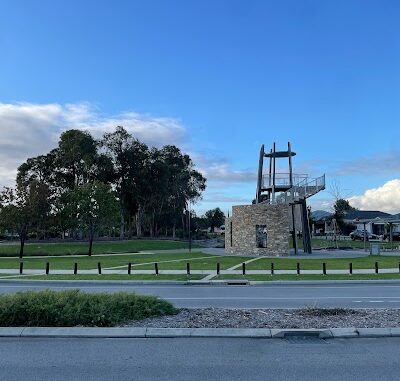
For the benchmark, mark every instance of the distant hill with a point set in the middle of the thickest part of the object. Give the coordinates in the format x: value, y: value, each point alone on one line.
x: 319, y: 214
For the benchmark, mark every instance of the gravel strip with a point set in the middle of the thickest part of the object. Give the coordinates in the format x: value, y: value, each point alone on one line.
x: 273, y: 318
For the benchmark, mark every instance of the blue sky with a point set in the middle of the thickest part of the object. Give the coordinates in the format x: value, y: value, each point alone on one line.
x: 218, y: 78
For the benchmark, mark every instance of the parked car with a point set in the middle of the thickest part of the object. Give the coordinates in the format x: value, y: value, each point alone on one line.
x: 395, y: 236
x: 359, y: 234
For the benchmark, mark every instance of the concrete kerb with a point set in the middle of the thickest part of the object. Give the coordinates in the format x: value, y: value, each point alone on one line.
x: 143, y: 332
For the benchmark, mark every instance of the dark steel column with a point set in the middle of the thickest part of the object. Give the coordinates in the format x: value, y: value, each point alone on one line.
x: 306, y: 227
x: 260, y: 173
x: 294, y: 240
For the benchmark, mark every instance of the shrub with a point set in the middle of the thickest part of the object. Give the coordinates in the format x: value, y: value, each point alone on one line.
x: 73, y: 307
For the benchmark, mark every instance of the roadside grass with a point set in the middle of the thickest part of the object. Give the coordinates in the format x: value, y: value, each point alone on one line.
x: 321, y: 243
x: 284, y: 277
x: 331, y: 263
x: 197, y: 261
x: 116, y: 277
x: 99, y: 247
x: 73, y: 307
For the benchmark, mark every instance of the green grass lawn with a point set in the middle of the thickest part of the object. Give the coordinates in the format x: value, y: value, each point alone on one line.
x: 331, y: 263
x: 139, y: 261
x: 307, y: 277
x: 197, y: 260
x: 322, y: 242
x: 77, y: 248
x: 136, y: 277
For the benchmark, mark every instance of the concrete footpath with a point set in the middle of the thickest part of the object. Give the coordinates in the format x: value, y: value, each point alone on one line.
x: 144, y: 332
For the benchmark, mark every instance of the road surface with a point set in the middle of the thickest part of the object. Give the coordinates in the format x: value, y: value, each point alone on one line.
x: 361, y: 295
x: 199, y: 359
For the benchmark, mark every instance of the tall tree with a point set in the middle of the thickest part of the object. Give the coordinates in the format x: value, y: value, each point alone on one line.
x: 92, y: 206
x: 23, y: 208
x: 128, y: 157
x: 215, y: 218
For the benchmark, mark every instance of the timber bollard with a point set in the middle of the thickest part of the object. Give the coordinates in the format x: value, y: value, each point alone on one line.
x: 218, y: 268
x: 156, y: 268
x: 298, y: 268
x: 99, y: 267
x: 129, y: 268
x: 47, y: 268
x: 75, y: 268
x: 188, y: 268
x: 244, y: 268
x: 272, y: 268
x: 21, y: 267
x: 324, y: 268
x: 376, y: 268
x: 350, y: 268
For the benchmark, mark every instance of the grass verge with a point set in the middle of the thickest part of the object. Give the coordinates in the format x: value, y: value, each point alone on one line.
x: 76, y: 308
x: 81, y: 248
x: 309, y: 277
x: 135, y: 277
x: 174, y: 261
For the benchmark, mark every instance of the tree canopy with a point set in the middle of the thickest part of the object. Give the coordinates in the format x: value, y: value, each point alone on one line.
x: 136, y: 189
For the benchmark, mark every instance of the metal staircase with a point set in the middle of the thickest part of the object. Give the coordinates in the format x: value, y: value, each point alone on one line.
x: 302, y: 190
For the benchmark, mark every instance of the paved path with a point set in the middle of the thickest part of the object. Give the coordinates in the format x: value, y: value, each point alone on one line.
x: 199, y: 359
x: 274, y: 295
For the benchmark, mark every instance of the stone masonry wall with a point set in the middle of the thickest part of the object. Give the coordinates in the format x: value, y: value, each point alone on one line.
x: 243, y: 224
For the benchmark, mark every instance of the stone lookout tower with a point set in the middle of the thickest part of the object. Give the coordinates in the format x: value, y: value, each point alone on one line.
x: 278, y: 213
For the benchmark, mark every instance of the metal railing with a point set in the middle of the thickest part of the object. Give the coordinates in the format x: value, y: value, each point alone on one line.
x: 307, y: 188
x: 282, y: 179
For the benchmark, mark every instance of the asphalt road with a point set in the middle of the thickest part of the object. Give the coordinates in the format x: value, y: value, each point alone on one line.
x: 365, y: 295
x: 199, y: 359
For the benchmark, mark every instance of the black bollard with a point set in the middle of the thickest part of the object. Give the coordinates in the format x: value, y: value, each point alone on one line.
x: 218, y: 267
x: 298, y: 268
x: 324, y: 268
x: 75, y: 268
x: 47, y: 268
x: 272, y: 268
x: 99, y: 267
x: 376, y: 268
x: 350, y: 268
x: 244, y: 268
x: 188, y: 268
x: 156, y: 268
x: 129, y: 268
x: 21, y: 267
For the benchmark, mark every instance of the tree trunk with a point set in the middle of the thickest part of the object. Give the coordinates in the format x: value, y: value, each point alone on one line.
x: 90, y: 244
x: 174, y: 230
x: 130, y: 227
x: 21, y: 248
x: 138, y: 223
x: 183, y: 225
x: 122, y: 224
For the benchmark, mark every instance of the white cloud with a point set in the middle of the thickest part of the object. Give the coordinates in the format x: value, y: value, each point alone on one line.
x: 385, y: 198
x: 28, y: 130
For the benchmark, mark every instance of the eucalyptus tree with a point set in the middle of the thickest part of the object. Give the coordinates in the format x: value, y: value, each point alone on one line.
x: 92, y: 206
x: 128, y: 157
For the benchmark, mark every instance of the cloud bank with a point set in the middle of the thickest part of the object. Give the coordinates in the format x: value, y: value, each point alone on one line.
x: 28, y: 130
x: 385, y: 198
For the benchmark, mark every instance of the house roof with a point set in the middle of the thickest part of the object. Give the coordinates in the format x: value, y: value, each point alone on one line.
x: 351, y: 215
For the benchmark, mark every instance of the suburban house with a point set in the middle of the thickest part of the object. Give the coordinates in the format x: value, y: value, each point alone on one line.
x: 374, y: 221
